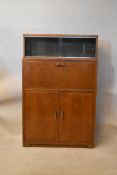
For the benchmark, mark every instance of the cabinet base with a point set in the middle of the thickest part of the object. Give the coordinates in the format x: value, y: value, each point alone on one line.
x: 58, y: 145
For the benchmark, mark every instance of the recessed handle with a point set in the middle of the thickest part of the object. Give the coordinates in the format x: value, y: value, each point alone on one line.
x: 55, y: 115
x: 60, y: 64
x: 61, y: 114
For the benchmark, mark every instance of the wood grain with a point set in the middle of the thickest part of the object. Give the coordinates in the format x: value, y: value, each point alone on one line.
x: 76, y: 123
x: 47, y: 74
x: 41, y: 118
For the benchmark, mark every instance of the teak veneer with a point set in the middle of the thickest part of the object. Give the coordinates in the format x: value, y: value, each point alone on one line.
x: 59, y: 90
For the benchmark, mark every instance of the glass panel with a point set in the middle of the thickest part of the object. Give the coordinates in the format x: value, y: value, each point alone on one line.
x: 41, y: 46
x: 90, y: 47
x: 72, y: 47
x: 57, y: 46
x: 78, y: 47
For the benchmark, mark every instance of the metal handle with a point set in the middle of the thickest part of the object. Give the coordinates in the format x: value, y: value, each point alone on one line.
x: 55, y: 115
x: 61, y: 114
x: 60, y: 64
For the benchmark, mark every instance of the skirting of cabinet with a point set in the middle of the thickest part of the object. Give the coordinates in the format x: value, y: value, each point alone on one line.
x: 59, y: 145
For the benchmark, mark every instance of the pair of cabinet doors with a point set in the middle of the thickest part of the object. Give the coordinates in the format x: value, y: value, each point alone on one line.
x: 58, y: 117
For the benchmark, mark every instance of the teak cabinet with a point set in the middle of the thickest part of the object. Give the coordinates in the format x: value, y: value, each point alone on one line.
x: 59, y: 90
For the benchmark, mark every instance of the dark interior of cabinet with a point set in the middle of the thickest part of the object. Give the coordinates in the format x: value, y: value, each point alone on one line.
x: 60, y: 46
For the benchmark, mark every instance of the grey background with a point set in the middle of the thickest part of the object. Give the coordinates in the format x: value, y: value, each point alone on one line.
x: 60, y: 16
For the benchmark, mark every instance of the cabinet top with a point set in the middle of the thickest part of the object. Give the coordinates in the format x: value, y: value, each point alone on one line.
x: 60, y: 35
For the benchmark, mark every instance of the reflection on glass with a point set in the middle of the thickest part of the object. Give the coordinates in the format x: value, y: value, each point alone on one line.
x: 90, y: 47
x: 72, y: 47
x: 41, y: 46
x: 57, y: 46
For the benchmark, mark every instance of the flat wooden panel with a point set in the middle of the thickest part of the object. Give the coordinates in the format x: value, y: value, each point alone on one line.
x: 52, y: 74
x: 79, y: 74
x: 77, y: 118
x: 40, y: 123
x: 41, y: 74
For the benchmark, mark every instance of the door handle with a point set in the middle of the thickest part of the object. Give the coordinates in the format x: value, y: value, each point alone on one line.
x: 61, y: 114
x: 60, y: 64
x: 55, y: 115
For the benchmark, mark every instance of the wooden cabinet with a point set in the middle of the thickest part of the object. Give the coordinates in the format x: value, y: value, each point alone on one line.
x: 59, y: 91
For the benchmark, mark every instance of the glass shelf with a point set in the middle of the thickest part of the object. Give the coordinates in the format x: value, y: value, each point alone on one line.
x: 60, y: 46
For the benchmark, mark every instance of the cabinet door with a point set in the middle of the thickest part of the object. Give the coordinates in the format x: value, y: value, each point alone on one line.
x: 40, y: 122
x: 77, y: 118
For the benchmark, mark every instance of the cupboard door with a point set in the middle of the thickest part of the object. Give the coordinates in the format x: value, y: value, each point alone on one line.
x: 76, y: 118
x: 79, y: 74
x: 41, y: 74
x: 40, y: 121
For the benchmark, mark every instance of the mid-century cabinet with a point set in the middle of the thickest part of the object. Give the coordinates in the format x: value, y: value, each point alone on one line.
x: 59, y: 90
